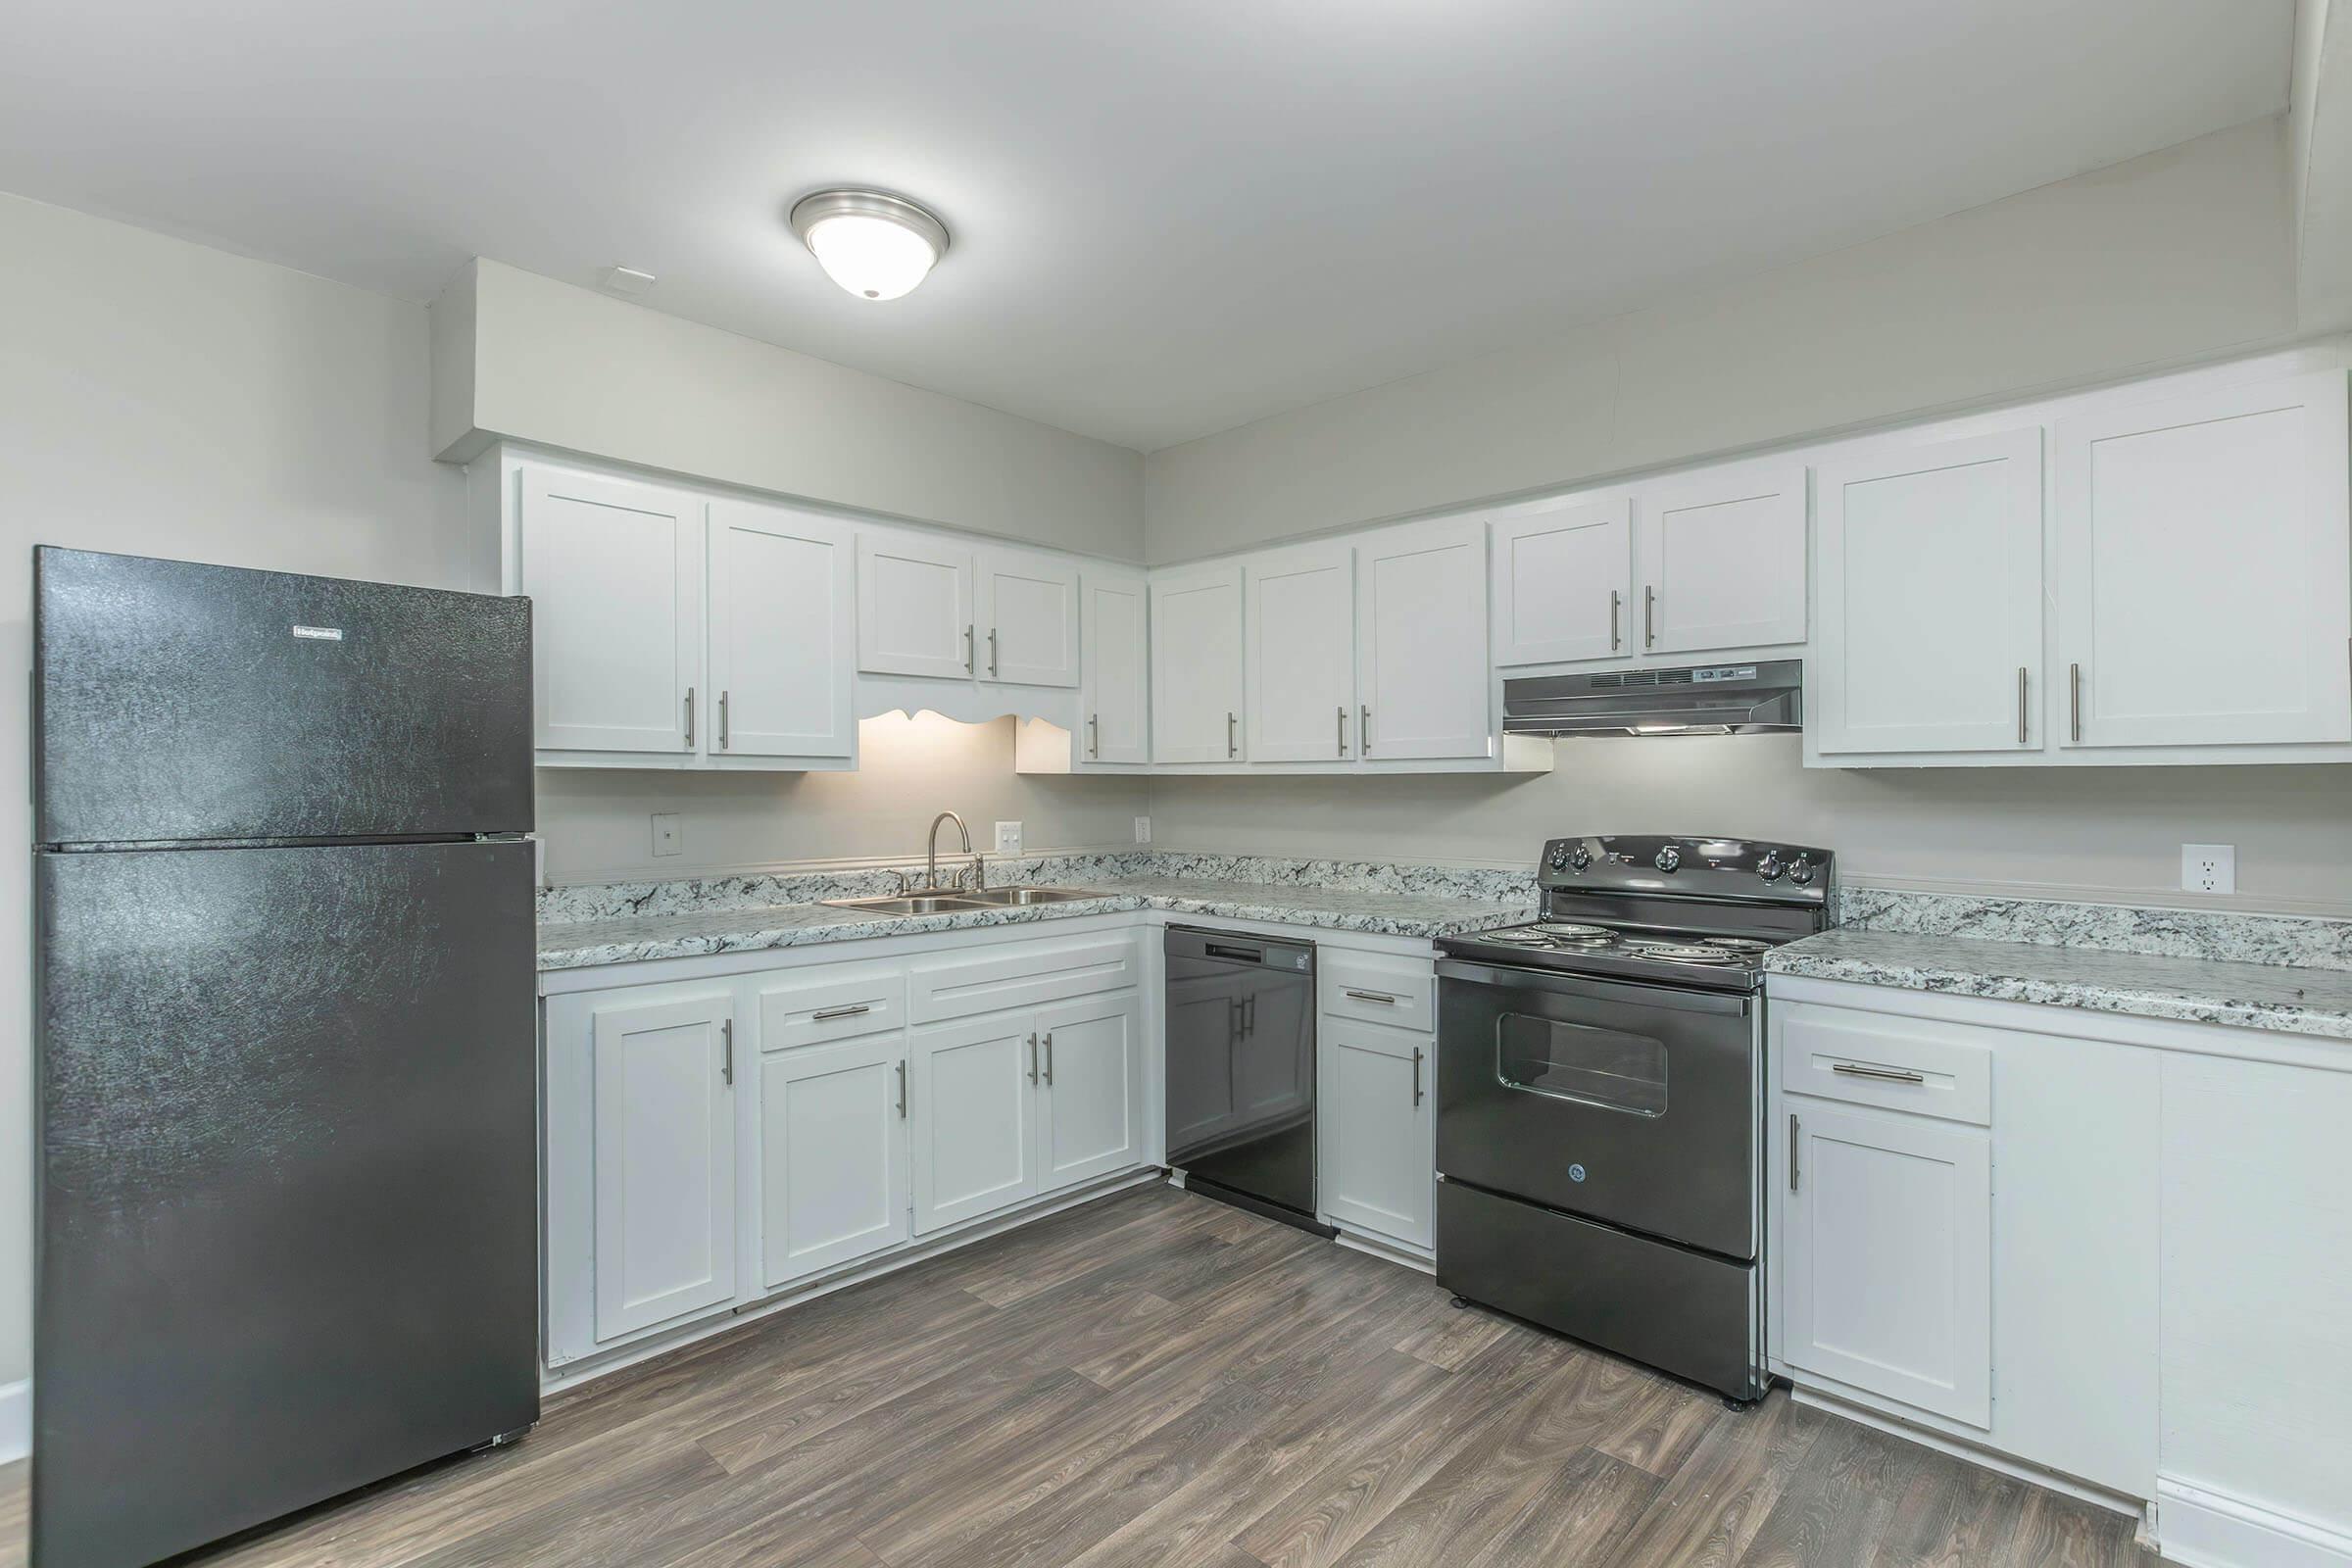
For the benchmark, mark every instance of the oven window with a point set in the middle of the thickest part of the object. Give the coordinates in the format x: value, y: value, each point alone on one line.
x: 1596, y: 1066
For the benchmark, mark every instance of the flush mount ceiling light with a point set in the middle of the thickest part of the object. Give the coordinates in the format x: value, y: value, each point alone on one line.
x: 875, y: 245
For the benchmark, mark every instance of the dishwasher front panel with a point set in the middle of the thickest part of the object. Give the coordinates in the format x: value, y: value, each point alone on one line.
x: 1241, y: 1066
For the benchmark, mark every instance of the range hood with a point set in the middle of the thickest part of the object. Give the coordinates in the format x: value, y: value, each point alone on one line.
x: 1763, y: 698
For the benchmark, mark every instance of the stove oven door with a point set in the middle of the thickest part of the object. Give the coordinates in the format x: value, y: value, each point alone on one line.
x: 1634, y: 1105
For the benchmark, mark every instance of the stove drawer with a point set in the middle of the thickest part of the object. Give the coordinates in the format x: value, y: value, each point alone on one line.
x: 1921, y: 1065
x: 1379, y: 987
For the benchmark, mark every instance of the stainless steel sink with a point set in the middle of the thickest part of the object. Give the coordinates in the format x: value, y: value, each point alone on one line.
x: 919, y: 903
x: 1020, y: 896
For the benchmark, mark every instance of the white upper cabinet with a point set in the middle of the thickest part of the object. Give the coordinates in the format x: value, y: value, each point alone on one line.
x: 1197, y: 664
x: 1720, y: 560
x: 2204, y: 587
x: 782, y: 647
x: 1028, y: 618
x: 1421, y: 667
x: 1560, y: 575
x: 1300, y: 652
x: 1115, y: 666
x: 614, y: 570
x: 1929, y: 634
x: 914, y: 605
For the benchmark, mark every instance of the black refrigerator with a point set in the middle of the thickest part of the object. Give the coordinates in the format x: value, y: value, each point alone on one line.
x: 283, y: 996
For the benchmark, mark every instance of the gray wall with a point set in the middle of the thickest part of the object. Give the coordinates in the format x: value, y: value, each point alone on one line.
x: 2180, y: 255
x: 2103, y: 832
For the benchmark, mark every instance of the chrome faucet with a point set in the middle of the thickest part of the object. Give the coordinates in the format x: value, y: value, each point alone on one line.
x: 931, y: 871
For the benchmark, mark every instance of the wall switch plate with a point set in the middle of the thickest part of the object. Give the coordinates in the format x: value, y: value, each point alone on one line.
x: 1009, y: 838
x: 2209, y: 869
x: 666, y: 832
x: 1143, y: 830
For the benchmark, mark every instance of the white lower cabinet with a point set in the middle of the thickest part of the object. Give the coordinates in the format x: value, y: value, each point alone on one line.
x: 1093, y: 1116
x: 833, y: 1155
x: 663, y: 1078
x: 1887, y: 1256
x: 1376, y: 1130
x: 975, y: 1135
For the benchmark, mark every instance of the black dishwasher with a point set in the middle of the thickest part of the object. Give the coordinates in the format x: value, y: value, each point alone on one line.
x: 1241, y: 1061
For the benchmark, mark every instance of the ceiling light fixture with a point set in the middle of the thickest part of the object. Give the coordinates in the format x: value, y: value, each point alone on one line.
x: 875, y: 245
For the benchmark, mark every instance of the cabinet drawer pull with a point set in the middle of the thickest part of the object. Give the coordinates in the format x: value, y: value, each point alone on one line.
x: 1884, y: 1074
x: 857, y: 1009
x: 901, y: 1091
x: 1381, y: 997
x: 1416, y: 1075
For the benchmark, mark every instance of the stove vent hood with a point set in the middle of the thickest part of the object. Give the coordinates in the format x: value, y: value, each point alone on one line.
x: 1763, y: 698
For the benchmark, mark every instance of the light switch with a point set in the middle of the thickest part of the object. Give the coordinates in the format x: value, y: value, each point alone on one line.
x: 1009, y: 838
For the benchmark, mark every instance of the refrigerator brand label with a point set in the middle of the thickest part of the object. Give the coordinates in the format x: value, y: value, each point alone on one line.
x: 323, y: 634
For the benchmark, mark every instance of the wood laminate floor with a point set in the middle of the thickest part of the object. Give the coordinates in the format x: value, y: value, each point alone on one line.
x: 1156, y: 1379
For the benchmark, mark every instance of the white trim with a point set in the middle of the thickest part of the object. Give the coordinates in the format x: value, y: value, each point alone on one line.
x: 16, y: 1419
x: 1984, y: 1458
x: 576, y: 1373
x: 2202, y: 1529
x: 1418, y: 1259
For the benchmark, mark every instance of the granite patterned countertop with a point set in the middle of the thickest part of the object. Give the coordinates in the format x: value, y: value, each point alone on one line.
x: 635, y: 938
x: 2292, y: 997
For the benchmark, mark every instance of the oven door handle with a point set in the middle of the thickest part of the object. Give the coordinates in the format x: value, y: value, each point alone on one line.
x: 1631, y: 992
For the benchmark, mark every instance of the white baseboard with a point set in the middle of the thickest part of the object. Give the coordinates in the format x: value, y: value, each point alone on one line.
x: 2202, y: 1529
x: 16, y: 1419
x: 1985, y: 1458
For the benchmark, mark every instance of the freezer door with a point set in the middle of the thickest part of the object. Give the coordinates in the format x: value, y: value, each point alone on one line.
x: 180, y: 702
x: 287, y: 1181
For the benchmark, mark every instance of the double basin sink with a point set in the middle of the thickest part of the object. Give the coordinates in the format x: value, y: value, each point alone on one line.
x: 957, y: 901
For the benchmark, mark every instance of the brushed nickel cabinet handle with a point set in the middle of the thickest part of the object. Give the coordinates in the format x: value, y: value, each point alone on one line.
x: 690, y: 718
x: 722, y: 721
x: 901, y: 1091
x: 1884, y: 1074
x: 1094, y: 734
x: 1616, y: 603
x: 726, y: 1060
x: 2074, y: 701
x: 1650, y: 615
x: 1416, y: 1075
x: 1232, y: 746
x: 1381, y: 997
x: 1033, y: 1059
x: 1341, y: 712
x: 1363, y: 731
x: 1793, y: 1150
x: 968, y: 649
x: 2021, y: 705
x: 992, y: 650
x: 858, y: 1010
x: 1048, y: 1058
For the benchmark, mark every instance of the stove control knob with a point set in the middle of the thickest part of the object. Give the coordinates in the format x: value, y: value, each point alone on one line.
x: 1770, y: 867
x: 1668, y: 859
x: 1580, y: 858
x: 1800, y: 870
x: 1559, y: 857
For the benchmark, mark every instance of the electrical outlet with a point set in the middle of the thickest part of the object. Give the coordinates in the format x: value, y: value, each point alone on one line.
x: 1143, y: 830
x: 1009, y: 838
x: 2209, y: 869
x: 666, y: 832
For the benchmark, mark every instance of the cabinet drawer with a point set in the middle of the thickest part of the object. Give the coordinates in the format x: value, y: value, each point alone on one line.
x: 1021, y: 974
x: 1921, y: 1065
x: 1379, y: 987
x: 837, y: 1002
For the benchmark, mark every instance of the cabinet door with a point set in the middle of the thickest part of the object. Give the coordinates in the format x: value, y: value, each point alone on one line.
x: 1300, y: 654
x: 1560, y: 575
x: 615, y: 574
x: 1886, y: 1253
x: 1197, y: 665
x: 1374, y: 1130
x: 1722, y: 560
x: 1114, y: 656
x: 1930, y: 631
x: 665, y: 1161
x: 976, y: 1090
x: 1028, y: 616
x: 2204, y: 592
x: 1422, y: 670
x: 1093, y: 1122
x: 914, y: 605
x: 833, y: 1154
x: 781, y: 645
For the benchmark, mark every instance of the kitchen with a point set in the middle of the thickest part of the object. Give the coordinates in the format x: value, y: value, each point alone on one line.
x: 1983, y: 543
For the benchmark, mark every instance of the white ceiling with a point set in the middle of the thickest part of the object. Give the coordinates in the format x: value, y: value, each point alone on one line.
x: 1168, y: 218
